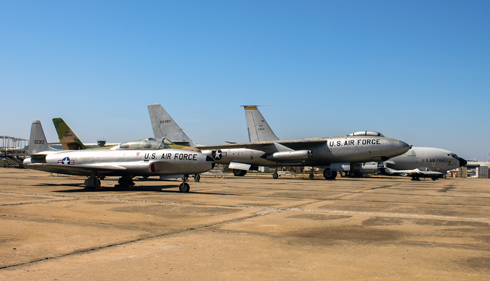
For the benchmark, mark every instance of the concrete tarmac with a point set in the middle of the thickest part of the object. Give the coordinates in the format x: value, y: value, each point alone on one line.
x: 243, y: 228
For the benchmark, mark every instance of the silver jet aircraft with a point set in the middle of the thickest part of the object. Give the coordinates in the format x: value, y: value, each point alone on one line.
x: 328, y: 152
x: 418, y: 159
x: 416, y: 174
x: 127, y: 164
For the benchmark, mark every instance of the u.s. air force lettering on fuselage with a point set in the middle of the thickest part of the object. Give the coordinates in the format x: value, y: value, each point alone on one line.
x: 437, y: 161
x: 350, y: 142
x: 171, y: 156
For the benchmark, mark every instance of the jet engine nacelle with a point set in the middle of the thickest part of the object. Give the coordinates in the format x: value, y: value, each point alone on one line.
x: 290, y: 155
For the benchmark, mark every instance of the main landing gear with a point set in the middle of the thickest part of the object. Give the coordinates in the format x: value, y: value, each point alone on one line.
x: 329, y: 175
x: 92, y: 182
x: 184, y: 186
x: 275, y: 175
x: 126, y: 182
x: 239, y: 173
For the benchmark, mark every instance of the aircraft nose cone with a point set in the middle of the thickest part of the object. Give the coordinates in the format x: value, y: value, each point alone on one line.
x: 401, y: 146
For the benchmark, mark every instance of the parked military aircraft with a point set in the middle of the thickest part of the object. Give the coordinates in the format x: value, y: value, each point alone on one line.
x: 330, y: 152
x: 164, y: 126
x: 416, y: 174
x: 159, y: 161
x: 436, y: 159
x: 69, y: 139
x: 257, y: 126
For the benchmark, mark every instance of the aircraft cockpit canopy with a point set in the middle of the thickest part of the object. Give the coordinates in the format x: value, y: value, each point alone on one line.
x: 149, y: 143
x: 367, y: 133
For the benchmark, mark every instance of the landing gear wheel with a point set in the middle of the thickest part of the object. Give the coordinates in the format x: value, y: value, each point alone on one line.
x: 329, y: 175
x: 275, y: 176
x: 184, y: 187
x: 312, y: 176
x: 352, y: 174
x: 239, y: 173
x: 434, y: 179
x: 92, y: 182
x: 197, y: 178
x: 126, y: 181
x: 343, y: 174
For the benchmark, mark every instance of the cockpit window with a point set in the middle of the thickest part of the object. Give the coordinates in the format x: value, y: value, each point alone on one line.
x: 367, y: 133
x: 411, y: 153
x: 143, y: 144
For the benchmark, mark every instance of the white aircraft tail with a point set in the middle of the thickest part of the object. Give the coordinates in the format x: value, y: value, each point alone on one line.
x: 37, y: 140
x: 258, y: 128
x: 164, y: 126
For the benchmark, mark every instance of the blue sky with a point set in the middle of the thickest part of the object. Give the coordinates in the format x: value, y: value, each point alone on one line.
x: 418, y: 71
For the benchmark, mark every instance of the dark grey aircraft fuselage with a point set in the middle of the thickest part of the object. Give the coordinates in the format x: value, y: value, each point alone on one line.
x: 316, y: 152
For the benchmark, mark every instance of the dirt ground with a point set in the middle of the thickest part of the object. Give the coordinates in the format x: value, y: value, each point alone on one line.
x: 239, y: 228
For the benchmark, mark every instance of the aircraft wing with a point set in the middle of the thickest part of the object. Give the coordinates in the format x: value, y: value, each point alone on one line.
x: 270, y: 146
x: 415, y: 172
x: 103, y: 168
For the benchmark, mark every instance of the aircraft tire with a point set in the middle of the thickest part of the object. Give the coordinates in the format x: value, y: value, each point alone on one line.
x: 197, y: 178
x: 312, y: 176
x: 184, y: 187
x: 126, y: 181
x: 352, y: 174
x: 275, y: 176
x: 239, y: 173
x: 329, y: 175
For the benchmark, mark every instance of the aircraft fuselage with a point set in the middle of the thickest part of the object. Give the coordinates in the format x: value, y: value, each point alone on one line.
x: 324, y: 151
x: 118, y: 163
x: 436, y: 159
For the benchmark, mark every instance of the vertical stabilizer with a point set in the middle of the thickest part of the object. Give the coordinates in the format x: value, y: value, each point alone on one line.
x: 67, y: 137
x: 164, y: 126
x: 37, y: 140
x: 258, y: 128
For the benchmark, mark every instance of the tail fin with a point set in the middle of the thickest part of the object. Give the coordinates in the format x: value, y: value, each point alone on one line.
x: 258, y: 128
x: 164, y: 126
x: 67, y: 137
x: 37, y: 140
